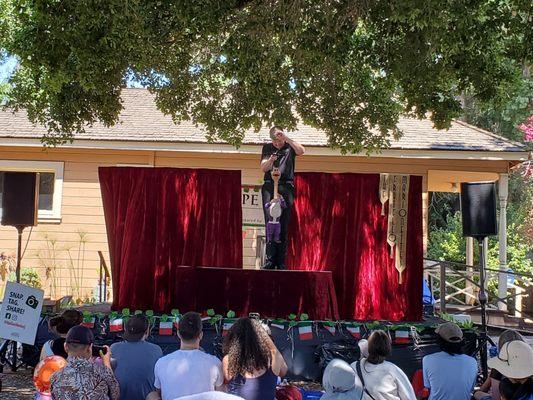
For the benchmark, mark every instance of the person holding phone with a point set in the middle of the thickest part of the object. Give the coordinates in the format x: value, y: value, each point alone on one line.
x: 81, y: 378
x: 279, y: 155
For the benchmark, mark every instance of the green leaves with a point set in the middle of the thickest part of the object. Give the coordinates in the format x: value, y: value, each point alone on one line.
x: 348, y: 68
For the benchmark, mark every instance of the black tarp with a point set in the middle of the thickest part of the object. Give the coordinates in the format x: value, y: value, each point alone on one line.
x: 306, y: 359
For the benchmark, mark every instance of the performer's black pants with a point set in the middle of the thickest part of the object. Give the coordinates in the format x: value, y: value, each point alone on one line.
x: 276, y: 252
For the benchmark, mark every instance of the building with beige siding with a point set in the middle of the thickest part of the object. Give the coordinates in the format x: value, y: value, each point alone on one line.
x: 63, y: 248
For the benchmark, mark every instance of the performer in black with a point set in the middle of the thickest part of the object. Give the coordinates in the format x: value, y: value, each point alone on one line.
x: 281, y: 154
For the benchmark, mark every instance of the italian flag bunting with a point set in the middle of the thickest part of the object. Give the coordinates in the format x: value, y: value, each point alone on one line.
x: 401, y: 336
x: 278, y: 325
x: 226, y: 326
x: 355, y: 331
x: 177, y: 322
x: 88, y: 322
x: 305, y: 331
x: 116, y: 325
x: 165, y: 328
x: 331, y: 329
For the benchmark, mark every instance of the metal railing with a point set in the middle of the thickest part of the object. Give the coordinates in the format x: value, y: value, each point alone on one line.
x: 461, y: 287
x: 104, y: 279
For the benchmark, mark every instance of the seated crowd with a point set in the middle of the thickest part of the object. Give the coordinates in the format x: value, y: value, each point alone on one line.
x: 252, y: 367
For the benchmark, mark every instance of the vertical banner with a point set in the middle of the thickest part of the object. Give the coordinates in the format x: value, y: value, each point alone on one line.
x: 20, y: 313
x: 395, y: 189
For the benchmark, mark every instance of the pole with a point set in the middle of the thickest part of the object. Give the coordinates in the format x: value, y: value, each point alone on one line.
x: 503, y: 190
x: 20, y: 229
x: 14, y: 346
x: 483, y: 304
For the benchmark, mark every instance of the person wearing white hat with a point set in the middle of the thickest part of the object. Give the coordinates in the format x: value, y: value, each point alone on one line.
x: 515, y: 361
x: 490, y: 390
x: 339, y: 382
x: 449, y: 374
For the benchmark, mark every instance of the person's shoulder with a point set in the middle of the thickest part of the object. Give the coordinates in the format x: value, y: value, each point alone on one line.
x: 118, y: 346
x: 152, y: 346
x: 469, y: 359
x: 58, y: 376
x: 168, y: 357
x: 391, y: 367
x: 434, y: 356
x: 209, y: 357
x: 101, y: 369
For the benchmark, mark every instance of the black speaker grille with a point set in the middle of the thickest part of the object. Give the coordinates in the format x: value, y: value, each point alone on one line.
x: 478, y: 208
x: 19, y: 199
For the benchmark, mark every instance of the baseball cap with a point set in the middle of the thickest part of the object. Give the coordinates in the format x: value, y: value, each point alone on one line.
x: 80, y: 335
x: 515, y: 360
x: 135, y: 328
x: 450, y: 332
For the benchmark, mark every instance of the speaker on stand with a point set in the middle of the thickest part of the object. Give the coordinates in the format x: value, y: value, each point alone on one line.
x: 20, y: 197
x: 478, y: 212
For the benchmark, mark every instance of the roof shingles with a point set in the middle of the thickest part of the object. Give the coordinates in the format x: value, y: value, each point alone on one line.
x: 142, y: 121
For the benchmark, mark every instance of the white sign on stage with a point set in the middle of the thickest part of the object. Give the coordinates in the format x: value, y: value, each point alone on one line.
x: 20, y: 312
x: 252, y: 209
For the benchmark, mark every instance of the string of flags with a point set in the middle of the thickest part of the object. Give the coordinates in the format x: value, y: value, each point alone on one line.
x: 305, y: 329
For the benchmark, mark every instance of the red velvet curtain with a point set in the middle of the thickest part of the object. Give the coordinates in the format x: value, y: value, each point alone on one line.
x: 337, y: 226
x: 161, y: 218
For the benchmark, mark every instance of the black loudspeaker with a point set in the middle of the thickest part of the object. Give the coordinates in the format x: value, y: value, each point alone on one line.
x: 478, y: 208
x: 20, y: 198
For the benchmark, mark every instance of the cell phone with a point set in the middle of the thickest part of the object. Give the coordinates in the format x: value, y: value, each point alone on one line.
x: 96, y: 350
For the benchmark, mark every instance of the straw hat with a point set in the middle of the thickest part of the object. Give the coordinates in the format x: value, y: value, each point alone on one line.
x: 515, y: 360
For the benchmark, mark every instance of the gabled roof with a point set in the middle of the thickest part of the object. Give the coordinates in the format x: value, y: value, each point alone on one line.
x: 141, y: 121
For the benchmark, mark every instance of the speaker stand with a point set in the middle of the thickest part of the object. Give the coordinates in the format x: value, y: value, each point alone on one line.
x: 7, y: 358
x: 483, y: 336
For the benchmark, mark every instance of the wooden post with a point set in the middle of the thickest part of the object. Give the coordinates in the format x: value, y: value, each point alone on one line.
x: 503, y: 190
x: 469, y: 270
x: 443, y: 288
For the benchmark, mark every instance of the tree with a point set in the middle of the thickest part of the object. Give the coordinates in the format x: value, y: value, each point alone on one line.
x: 347, y: 67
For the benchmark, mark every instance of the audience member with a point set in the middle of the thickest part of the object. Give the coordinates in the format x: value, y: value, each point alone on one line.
x: 59, y: 325
x: 135, y: 360
x: 210, y: 396
x: 491, y: 388
x: 188, y: 370
x: 380, y: 379
x: 449, y: 374
x: 363, y: 348
x: 515, y: 362
x: 252, y: 363
x: 339, y: 382
x: 288, y: 392
x: 81, y: 378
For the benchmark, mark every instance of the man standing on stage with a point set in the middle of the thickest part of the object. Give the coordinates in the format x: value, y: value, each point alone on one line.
x: 280, y: 154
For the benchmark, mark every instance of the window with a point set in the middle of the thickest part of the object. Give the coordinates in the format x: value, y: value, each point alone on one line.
x: 50, y: 185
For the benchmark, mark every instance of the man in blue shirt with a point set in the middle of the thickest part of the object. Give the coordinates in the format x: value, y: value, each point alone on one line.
x: 135, y: 360
x: 449, y: 374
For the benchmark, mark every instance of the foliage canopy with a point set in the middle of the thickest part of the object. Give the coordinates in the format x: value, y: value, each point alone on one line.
x: 347, y: 67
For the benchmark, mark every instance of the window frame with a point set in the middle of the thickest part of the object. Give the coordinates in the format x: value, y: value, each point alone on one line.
x: 57, y: 168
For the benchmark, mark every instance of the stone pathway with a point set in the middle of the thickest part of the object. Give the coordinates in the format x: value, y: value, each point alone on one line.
x: 17, y: 385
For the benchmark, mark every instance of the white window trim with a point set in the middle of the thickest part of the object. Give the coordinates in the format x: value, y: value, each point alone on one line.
x: 57, y: 167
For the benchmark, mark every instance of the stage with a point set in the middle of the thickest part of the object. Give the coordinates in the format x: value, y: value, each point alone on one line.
x: 268, y: 293
x: 176, y: 242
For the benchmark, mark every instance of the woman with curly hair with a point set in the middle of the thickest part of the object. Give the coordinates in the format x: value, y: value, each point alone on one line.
x: 252, y: 363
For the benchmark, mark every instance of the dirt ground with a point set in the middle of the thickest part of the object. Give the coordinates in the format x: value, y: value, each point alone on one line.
x: 17, y: 385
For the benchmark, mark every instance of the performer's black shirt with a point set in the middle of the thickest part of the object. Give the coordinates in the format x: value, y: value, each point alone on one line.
x: 285, y: 162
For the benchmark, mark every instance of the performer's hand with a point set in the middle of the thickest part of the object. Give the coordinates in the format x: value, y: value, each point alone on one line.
x: 273, y: 158
x: 281, y: 136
